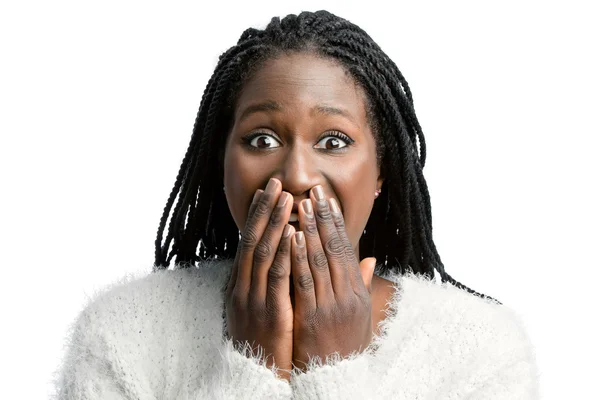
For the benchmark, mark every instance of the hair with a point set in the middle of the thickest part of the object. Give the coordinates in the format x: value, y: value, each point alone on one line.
x: 399, y: 230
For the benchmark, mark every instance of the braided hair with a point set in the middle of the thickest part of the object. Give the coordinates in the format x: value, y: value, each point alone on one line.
x: 399, y: 229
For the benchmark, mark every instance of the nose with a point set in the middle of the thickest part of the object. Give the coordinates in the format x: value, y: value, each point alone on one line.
x: 299, y: 172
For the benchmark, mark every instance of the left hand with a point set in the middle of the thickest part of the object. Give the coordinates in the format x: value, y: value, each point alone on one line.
x: 332, y: 311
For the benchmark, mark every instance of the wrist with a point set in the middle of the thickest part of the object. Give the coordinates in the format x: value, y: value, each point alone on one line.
x: 283, y: 370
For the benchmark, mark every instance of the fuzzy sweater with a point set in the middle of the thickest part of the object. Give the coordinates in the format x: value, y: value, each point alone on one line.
x: 160, y: 336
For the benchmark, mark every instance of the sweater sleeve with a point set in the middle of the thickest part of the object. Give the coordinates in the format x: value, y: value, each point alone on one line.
x: 438, y: 343
x: 89, y: 369
x: 512, y: 370
x: 159, y: 337
x: 244, y: 376
x: 95, y: 368
x: 336, y: 378
x: 517, y: 380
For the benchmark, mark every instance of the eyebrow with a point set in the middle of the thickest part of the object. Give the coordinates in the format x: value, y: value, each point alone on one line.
x: 330, y: 110
x: 268, y: 105
x: 271, y: 105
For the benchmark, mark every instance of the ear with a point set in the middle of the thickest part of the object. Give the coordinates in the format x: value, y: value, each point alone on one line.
x: 380, y: 178
x: 367, y: 267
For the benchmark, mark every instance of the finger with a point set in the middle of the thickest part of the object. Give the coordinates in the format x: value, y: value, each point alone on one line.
x: 266, y: 249
x: 304, y: 293
x: 352, y: 266
x: 331, y: 242
x: 278, y: 286
x: 234, y: 269
x: 257, y: 222
x: 253, y: 205
x: 317, y: 260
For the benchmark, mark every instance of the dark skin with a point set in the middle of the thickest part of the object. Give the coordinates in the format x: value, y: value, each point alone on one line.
x: 300, y: 178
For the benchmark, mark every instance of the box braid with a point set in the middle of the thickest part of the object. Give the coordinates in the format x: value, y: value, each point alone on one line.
x: 399, y: 229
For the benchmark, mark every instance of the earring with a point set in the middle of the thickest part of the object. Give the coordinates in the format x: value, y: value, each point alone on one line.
x: 377, y: 193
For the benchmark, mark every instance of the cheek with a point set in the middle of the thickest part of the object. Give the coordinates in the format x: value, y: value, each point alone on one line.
x: 356, y: 213
x: 356, y: 194
x: 234, y: 179
x: 241, y: 179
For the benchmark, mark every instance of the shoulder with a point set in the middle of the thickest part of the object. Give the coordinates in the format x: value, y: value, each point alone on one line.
x: 157, y: 335
x: 438, y: 335
x: 149, y: 310
x: 148, y: 329
x: 452, y: 318
x: 141, y: 290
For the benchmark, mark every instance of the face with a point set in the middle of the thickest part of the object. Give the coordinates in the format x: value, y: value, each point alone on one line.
x: 303, y: 120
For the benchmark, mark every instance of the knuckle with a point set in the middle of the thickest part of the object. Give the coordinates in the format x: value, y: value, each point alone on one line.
x: 323, y: 211
x: 349, y: 251
x: 251, y: 212
x: 338, y: 221
x: 319, y: 261
x: 313, y: 323
x: 305, y: 282
x: 310, y: 227
x: 349, y: 306
x: 262, y: 207
x: 284, y: 246
x: 249, y: 238
x: 276, y: 218
x: 300, y: 257
x: 262, y: 251
x: 335, y: 246
x: 277, y: 272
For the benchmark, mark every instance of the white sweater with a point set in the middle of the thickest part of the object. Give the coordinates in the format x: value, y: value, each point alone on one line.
x: 160, y: 336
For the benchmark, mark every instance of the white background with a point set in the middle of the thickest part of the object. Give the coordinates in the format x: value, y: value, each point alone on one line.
x: 97, y: 103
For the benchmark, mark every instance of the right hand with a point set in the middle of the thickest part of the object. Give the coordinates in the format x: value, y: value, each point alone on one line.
x: 258, y: 304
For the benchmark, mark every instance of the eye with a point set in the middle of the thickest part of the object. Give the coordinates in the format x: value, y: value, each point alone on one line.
x: 262, y: 141
x: 333, y: 141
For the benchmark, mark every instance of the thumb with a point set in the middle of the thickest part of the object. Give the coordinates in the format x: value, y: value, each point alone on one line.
x: 367, y: 267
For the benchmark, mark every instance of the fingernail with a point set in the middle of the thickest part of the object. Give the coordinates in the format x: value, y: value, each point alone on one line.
x: 318, y: 192
x: 282, y: 199
x: 299, y: 238
x: 271, y: 186
x: 334, y: 206
x: 287, y: 231
x: 307, y: 206
x: 256, y: 195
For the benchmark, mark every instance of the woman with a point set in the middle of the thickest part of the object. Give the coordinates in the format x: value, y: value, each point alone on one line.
x: 306, y: 157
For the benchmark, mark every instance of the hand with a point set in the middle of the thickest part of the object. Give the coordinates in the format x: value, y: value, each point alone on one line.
x: 332, y: 311
x: 258, y: 305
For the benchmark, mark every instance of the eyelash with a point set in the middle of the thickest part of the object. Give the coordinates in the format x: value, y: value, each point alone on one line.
x: 337, y: 134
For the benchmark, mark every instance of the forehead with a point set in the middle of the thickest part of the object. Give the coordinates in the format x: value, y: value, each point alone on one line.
x: 301, y: 79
